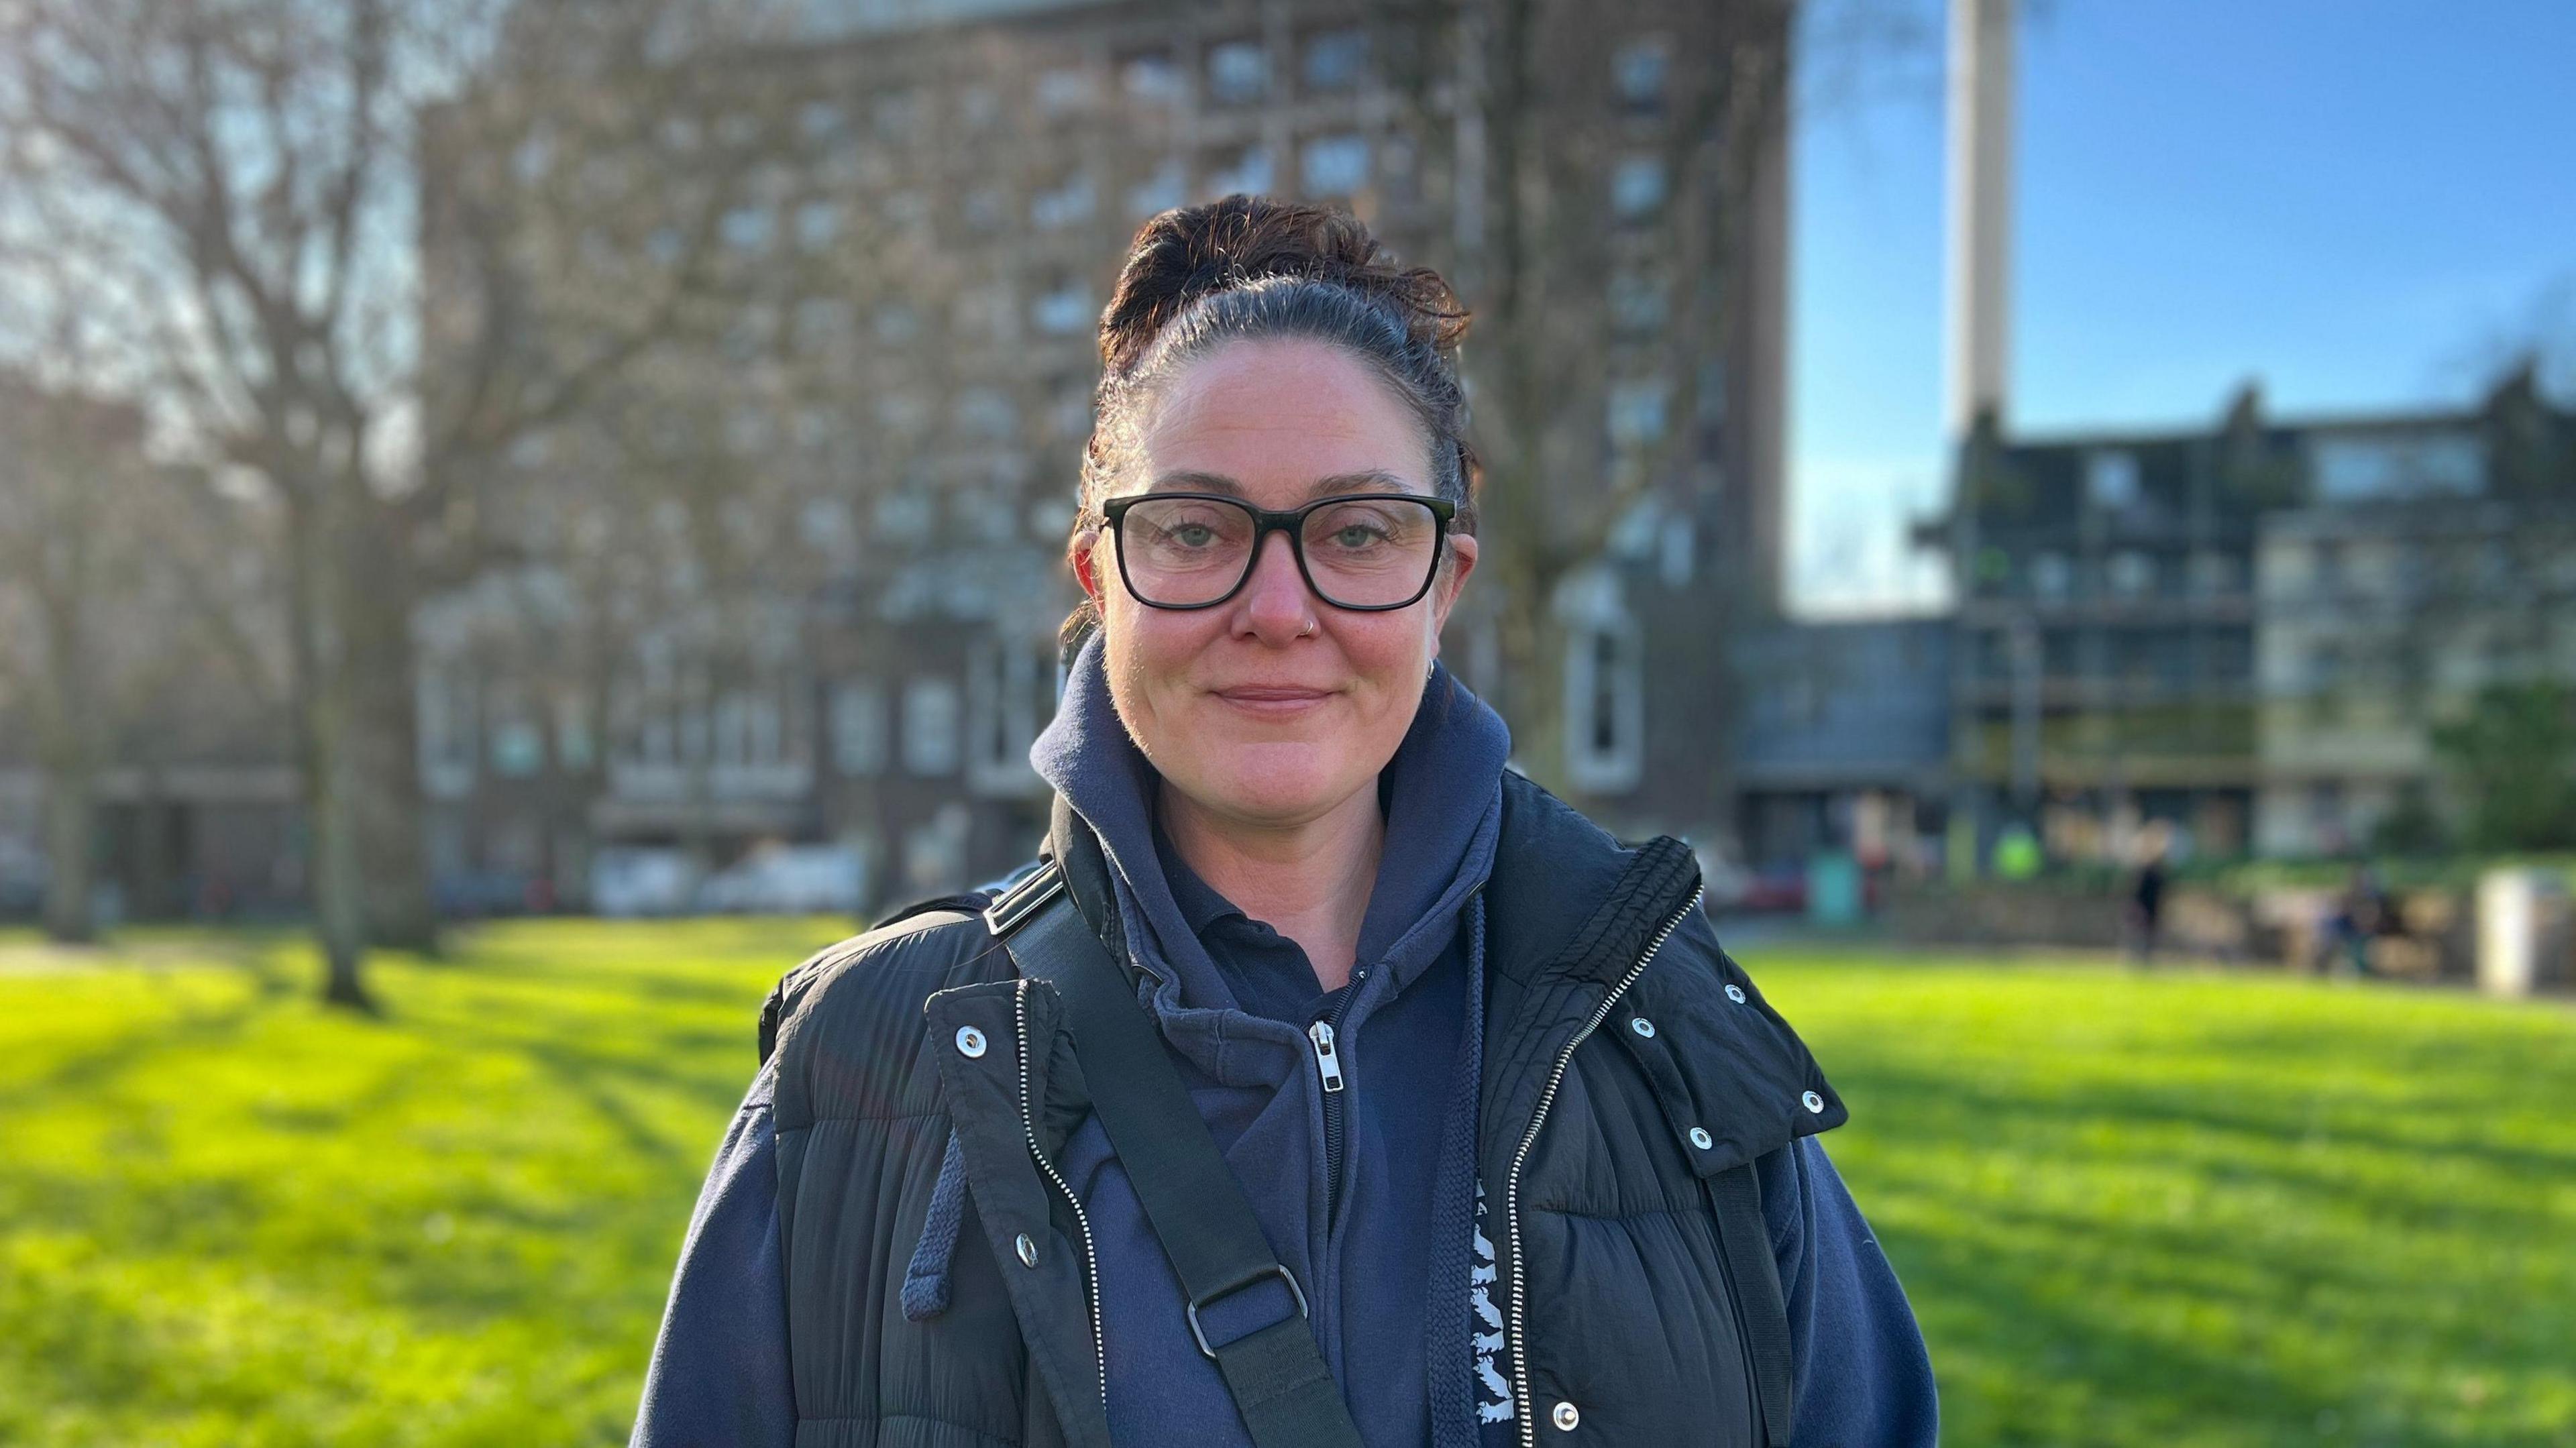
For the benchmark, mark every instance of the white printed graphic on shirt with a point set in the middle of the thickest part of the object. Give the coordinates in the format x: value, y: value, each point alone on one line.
x: 1493, y: 1390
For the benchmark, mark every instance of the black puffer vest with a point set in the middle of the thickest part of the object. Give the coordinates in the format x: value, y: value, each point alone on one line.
x: 1632, y: 1076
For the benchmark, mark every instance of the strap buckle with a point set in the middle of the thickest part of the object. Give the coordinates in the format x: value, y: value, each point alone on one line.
x: 1295, y: 1293
x: 1014, y: 906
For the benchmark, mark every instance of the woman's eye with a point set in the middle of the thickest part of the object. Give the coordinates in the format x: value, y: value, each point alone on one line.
x: 1190, y: 535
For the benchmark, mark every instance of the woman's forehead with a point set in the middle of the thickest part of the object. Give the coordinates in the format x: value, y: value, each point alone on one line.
x: 1276, y: 415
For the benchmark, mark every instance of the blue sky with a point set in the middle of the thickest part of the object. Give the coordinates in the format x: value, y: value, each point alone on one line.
x: 2361, y: 203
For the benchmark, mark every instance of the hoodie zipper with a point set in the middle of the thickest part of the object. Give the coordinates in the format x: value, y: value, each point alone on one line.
x: 1082, y: 1219
x: 1328, y: 1065
x: 1519, y: 1322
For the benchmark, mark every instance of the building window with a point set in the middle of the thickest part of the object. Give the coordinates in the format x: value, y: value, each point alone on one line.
x: 984, y: 209
x: 752, y: 333
x: 1638, y: 304
x: 748, y: 729
x: 1067, y: 89
x: 1151, y: 77
x: 898, y: 114
x: 820, y: 120
x: 930, y: 720
x: 828, y: 526
x: 1063, y: 205
x: 2132, y: 574
x: 987, y: 313
x: 2326, y: 568
x: 1637, y: 188
x: 903, y: 412
x: 1334, y: 165
x: 986, y: 414
x: 2111, y: 480
x: 817, y: 222
x: 446, y: 706
x: 1638, y: 412
x: 896, y: 323
x: 748, y: 229
x: 1641, y: 72
x: 1605, y: 704
x: 1069, y: 415
x: 905, y: 515
x: 2398, y: 465
x: 2327, y: 670
x: 980, y: 107
x: 746, y: 429
x: 1238, y: 72
x: 2215, y: 574
x: 1336, y: 60
x: 1010, y: 696
x: 1062, y: 309
x: 1168, y: 187
x: 2051, y: 576
x: 822, y: 325
x: 1246, y: 171
x: 575, y: 744
x: 859, y: 727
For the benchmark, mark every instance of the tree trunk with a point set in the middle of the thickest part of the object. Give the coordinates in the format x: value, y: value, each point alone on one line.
x: 387, y: 808
x: 339, y: 906
x: 321, y: 680
x: 70, y: 819
x: 1534, y: 685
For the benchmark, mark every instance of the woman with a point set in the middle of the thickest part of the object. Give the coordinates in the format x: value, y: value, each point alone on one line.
x: 1516, y: 1130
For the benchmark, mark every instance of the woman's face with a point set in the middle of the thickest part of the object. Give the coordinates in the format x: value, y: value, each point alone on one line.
x: 1272, y: 707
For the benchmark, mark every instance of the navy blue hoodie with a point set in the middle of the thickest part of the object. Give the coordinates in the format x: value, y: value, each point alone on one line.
x: 1350, y: 1204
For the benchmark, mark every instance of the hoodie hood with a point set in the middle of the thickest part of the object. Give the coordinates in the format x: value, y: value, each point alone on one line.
x: 1441, y: 792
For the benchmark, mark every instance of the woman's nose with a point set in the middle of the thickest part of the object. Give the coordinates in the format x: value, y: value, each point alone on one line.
x: 1276, y: 605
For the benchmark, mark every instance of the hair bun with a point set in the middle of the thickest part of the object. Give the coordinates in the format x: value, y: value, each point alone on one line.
x: 1194, y: 251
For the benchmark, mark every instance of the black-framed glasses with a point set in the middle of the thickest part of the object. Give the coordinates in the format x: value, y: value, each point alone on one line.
x: 1367, y: 552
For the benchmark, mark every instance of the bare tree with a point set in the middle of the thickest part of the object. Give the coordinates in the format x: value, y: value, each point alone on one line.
x: 117, y: 591
x: 1555, y: 194
x: 230, y: 195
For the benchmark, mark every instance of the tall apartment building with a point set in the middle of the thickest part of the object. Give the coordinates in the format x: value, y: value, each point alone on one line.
x: 2249, y: 630
x: 925, y: 205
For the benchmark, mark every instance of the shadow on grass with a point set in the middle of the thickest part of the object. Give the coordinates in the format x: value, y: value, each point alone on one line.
x: 2259, y: 1310
x: 2099, y: 1102
x: 87, y: 1071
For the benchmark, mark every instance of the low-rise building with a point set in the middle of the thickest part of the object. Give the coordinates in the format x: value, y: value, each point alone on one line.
x: 2246, y: 632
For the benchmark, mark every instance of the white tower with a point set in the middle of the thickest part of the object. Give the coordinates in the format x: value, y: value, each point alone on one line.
x: 1980, y: 202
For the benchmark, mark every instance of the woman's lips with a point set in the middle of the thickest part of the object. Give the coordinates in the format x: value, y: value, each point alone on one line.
x: 1272, y: 701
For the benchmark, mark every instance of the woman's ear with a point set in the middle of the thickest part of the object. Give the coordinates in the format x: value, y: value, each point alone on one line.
x: 1080, y: 553
x: 1462, y: 561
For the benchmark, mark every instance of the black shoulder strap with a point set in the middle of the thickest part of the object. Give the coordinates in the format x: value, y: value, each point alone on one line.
x: 1746, y: 1239
x: 1196, y: 1204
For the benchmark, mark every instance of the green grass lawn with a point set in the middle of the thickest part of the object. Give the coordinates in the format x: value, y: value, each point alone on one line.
x: 2178, y: 1209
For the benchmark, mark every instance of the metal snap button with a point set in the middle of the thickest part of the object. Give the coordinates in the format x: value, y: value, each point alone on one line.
x: 1735, y: 993
x: 1643, y: 1027
x: 1028, y: 1250
x: 1700, y: 1138
x: 970, y: 1042
x: 1814, y: 1102
x: 1566, y: 1416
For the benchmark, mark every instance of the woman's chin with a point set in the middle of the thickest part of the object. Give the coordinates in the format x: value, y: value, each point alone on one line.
x: 1283, y: 783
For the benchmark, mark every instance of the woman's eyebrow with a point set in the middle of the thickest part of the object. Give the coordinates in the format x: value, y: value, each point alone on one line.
x: 1373, y: 480
x: 1197, y: 483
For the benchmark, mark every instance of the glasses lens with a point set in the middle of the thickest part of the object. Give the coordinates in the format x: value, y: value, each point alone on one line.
x: 1179, y: 552
x: 1371, y: 552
